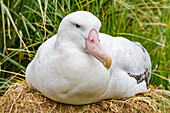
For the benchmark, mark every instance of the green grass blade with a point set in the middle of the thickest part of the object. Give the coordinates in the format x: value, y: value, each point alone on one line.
x: 3, y: 24
x: 13, y: 62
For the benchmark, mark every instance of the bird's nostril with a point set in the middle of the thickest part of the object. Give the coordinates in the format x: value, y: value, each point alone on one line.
x: 91, y: 39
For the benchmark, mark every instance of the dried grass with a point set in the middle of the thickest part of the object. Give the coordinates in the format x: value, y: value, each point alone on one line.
x: 19, y: 98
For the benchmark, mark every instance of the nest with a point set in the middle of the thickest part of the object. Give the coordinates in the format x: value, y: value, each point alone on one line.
x: 19, y: 98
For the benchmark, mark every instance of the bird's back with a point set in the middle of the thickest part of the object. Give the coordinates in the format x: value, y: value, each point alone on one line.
x: 131, y: 66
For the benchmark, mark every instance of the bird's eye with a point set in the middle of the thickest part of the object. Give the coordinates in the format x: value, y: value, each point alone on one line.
x: 77, y: 25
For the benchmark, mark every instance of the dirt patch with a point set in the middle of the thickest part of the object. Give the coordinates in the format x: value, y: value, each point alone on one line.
x: 19, y: 98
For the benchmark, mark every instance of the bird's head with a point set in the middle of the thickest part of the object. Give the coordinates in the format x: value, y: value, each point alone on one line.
x: 82, y: 29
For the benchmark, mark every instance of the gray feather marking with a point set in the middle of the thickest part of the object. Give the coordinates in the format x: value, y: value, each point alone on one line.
x: 141, y: 77
x: 138, y: 44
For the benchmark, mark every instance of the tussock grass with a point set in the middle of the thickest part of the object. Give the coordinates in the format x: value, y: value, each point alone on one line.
x: 19, y: 98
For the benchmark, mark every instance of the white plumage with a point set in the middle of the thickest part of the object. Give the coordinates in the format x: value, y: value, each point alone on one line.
x: 75, y: 67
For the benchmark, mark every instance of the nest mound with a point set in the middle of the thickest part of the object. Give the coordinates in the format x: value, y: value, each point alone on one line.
x: 19, y: 98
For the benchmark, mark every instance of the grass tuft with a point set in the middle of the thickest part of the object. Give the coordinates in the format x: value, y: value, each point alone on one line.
x: 21, y: 99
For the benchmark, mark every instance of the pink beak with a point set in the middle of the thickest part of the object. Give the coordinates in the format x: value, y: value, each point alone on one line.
x: 94, y: 47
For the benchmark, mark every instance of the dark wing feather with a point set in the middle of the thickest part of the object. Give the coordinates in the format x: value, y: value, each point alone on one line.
x: 147, y: 73
x: 144, y: 76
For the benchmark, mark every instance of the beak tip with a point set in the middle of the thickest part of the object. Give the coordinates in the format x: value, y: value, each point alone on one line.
x: 108, y: 67
x: 108, y: 62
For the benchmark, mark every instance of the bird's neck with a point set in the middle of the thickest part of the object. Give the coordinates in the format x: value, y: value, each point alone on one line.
x: 65, y: 43
x: 69, y: 41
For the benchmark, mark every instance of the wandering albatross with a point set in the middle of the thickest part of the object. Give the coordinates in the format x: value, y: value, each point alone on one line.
x: 79, y: 65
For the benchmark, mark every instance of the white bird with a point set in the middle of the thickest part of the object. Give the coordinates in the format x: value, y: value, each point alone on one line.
x: 79, y: 65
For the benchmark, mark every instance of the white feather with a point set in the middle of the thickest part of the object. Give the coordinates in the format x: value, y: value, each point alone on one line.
x: 64, y: 71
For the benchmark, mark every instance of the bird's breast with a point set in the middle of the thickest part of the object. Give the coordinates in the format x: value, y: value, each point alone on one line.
x: 74, y: 74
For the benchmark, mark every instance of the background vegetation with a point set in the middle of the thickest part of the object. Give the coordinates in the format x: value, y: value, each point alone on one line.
x: 26, y: 24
